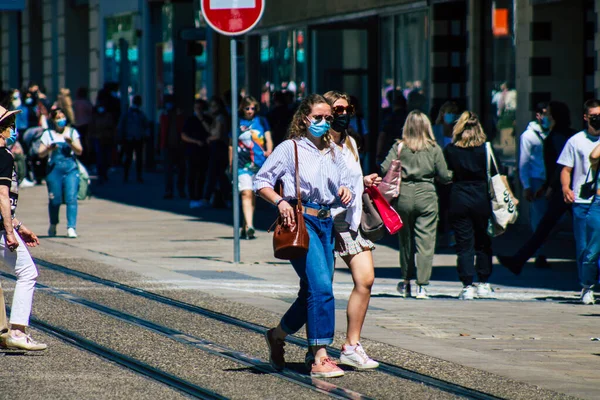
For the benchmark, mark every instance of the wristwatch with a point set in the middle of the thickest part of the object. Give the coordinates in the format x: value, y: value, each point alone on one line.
x: 279, y: 201
x: 16, y: 228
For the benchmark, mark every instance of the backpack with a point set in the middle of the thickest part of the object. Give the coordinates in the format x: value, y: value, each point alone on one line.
x: 32, y: 138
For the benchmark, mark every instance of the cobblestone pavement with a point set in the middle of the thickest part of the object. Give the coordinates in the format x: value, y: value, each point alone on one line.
x: 531, y: 340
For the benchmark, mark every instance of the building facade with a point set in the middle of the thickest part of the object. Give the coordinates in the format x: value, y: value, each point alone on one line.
x: 495, y: 57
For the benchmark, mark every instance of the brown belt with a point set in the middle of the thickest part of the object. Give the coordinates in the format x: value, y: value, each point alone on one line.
x: 321, y: 213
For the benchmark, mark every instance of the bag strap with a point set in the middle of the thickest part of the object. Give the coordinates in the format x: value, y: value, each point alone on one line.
x: 400, y: 145
x: 297, y: 176
x: 491, y: 159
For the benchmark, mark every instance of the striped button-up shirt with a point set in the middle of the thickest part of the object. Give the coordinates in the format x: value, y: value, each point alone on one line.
x: 321, y: 174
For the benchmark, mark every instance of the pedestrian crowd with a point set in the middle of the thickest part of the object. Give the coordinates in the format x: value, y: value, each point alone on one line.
x: 309, y: 160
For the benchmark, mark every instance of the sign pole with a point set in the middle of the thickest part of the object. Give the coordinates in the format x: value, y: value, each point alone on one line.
x: 234, y: 146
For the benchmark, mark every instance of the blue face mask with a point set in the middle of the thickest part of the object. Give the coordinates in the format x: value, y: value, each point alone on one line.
x: 449, y: 118
x: 29, y: 101
x: 318, y: 129
x: 61, y: 123
x: 545, y: 122
x: 13, y: 137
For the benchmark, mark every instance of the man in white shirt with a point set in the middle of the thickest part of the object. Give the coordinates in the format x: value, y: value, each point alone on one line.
x: 532, y: 170
x: 575, y: 159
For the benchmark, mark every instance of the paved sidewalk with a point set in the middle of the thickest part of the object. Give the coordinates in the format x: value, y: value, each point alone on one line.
x: 533, y: 332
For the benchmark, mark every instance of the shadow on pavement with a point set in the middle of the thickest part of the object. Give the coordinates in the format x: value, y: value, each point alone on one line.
x: 561, y: 276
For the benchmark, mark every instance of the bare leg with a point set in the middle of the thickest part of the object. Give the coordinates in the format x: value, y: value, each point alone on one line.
x: 363, y: 275
x: 248, y: 207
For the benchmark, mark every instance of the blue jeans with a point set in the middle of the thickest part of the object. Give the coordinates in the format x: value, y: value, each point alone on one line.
x: 591, y: 253
x: 315, y: 305
x: 63, y: 184
x: 580, y: 212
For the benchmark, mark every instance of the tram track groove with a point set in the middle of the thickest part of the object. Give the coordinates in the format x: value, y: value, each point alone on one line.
x: 389, y: 369
x: 207, y: 346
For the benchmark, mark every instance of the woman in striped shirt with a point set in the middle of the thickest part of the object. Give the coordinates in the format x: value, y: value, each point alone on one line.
x: 324, y: 183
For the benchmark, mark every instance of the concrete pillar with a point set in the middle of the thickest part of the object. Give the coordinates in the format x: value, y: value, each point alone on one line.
x: 597, y: 49
x: 32, y: 45
x: 549, y: 66
x: 183, y: 17
x: 78, y: 44
x: 11, y: 52
x: 474, y: 62
x: 95, y: 47
x: 449, y: 45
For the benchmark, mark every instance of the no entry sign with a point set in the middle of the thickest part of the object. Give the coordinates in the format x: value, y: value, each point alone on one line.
x: 232, y: 17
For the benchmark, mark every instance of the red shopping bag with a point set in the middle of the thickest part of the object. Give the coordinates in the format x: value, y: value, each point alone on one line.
x: 390, y: 217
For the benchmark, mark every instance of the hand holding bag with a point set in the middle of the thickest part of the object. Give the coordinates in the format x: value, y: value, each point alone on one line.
x: 371, y: 224
x: 504, y: 204
x: 389, y: 216
x: 390, y: 185
x: 290, y: 242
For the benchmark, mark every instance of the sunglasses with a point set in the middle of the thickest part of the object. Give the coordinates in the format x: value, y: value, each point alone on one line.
x: 340, y: 109
x: 319, y: 118
x: 250, y: 108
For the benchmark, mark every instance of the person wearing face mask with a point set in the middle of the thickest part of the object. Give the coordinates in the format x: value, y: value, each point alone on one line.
x: 325, y: 182
x: 560, y: 132
x: 133, y: 130
x: 254, y: 146
x: 14, y: 240
x: 355, y: 250
x: 532, y: 171
x: 576, y: 171
x: 61, y: 144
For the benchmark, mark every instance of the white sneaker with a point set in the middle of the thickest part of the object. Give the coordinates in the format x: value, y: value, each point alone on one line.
x: 26, y: 183
x: 587, y: 296
x: 52, y: 230
x: 484, y: 290
x: 24, y: 342
x: 467, y: 293
x: 422, y: 292
x: 357, y: 357
x: 71, y: 233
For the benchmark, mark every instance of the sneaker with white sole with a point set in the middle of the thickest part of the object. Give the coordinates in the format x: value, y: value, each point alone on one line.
x: 24, y: 342
x: 26, y: 183
x: 404, y: 289
x: 52, y: 230
x: 326, y: 368
x: 71, y: 232
x: 587, y: 296
x: 484, y: 290
x: 356, y: 357
x: 467, y: 293
x: 422, y: 292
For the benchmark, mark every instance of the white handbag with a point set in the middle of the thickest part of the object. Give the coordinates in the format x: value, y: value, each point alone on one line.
x: 504, y: 204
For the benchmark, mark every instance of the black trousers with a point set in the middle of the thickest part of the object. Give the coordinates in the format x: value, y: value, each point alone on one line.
x: 469, y: 214
x: 197, y: 165
x: 129, y: 147
x: 556, y: 209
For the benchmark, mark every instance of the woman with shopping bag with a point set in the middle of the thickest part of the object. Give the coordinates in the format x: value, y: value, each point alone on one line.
x: 470, y: 207
x: 422, y: 164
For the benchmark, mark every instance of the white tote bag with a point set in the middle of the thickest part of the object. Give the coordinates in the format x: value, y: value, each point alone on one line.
x: 504, y: 203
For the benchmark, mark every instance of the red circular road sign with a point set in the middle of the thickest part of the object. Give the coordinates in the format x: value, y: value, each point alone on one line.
x: 232, y: 17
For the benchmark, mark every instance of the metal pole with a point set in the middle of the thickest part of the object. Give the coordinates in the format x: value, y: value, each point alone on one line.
x: 234, y: 144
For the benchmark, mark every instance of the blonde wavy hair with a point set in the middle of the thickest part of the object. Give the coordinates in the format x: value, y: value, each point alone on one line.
x: 332, y: 96
x: 417, y: 134
x: 65, y: 103
x: 298, y: 125
x: 468, y: 131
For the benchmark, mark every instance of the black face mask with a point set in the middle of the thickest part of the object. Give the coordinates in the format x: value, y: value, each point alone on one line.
x: 340, y: 122
x: 594, y: 121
